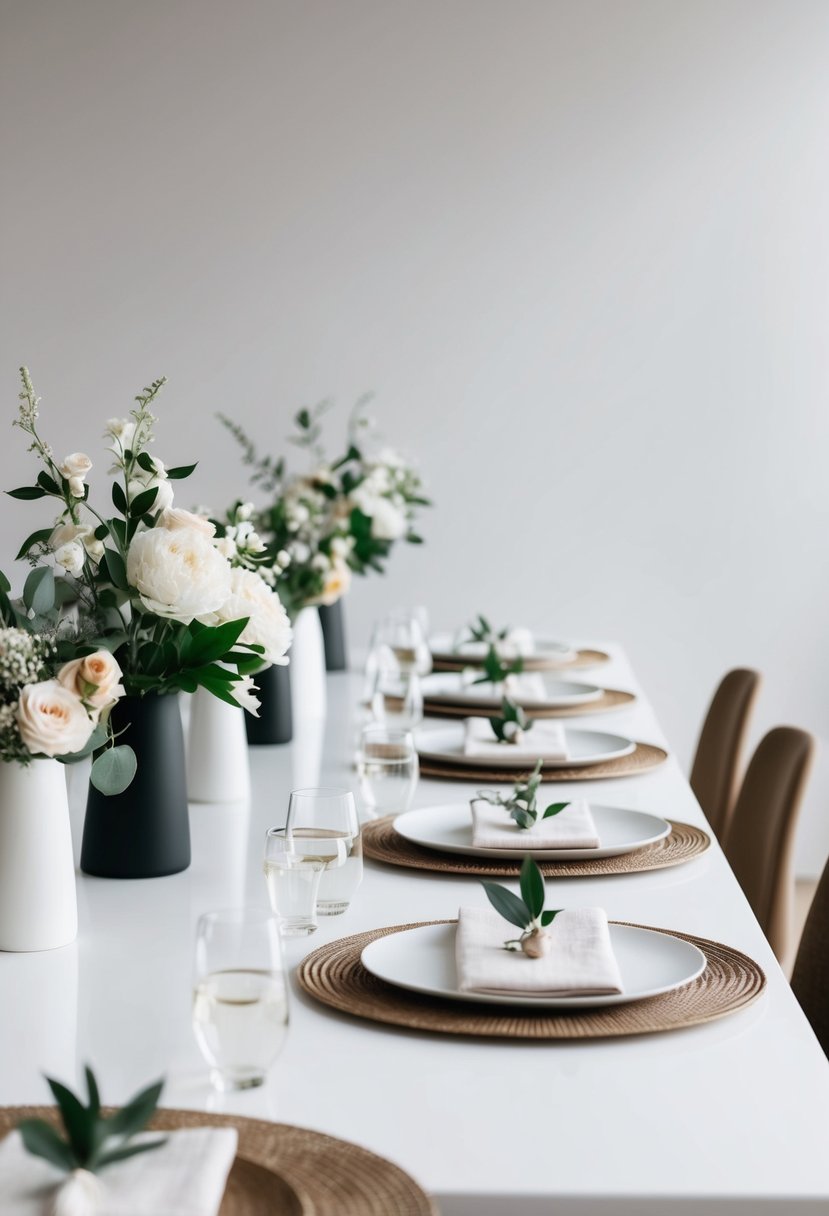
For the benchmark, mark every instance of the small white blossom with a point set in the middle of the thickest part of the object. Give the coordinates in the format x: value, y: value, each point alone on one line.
x: 70, y: 557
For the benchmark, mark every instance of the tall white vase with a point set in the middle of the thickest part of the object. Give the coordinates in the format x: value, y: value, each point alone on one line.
x: 38, y: 903
x: 217, y: 751
x: 307, y: 656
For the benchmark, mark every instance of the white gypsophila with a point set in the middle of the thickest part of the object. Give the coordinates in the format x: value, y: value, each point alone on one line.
x: 178, y: 574
x: 244, y: 694
x: 70, y: 556
x: 283, y: 558
x: 320, y: 562
x: 22, y: 656
x: 268, y: 623
x: 300, y: 552
x: 341, y: 546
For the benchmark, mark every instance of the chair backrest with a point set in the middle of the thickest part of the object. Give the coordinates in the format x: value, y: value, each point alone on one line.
x: 810, y: 978
x: 760, y: 839
x: 715, y: 772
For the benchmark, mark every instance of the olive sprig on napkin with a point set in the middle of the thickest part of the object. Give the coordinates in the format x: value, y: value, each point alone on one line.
x: 527, y: 912
x: 512, y: 724
x: 522, y: 803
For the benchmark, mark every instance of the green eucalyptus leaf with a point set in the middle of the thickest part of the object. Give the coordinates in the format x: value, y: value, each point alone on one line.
x: 532, y: 886
x: 114, y: 769
x: 555, y: 808
x: 42, y: 1140
x: 508, y: 905
x: 523, y: 818
x: 39, y: 590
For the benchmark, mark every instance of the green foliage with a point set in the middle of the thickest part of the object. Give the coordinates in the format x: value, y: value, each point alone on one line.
x: 522, y: 802
x: 512, y: 722
x: 114, y: 769
x: 527, y: 912
x: 92, y: 1140
x: 496, y: 670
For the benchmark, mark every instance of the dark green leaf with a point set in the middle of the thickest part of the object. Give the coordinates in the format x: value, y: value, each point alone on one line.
x: 5, y: 585
x: 114, y: 769
x: 508, y: 905
x: 35, y: 538
x: 137, y: 1112
x: 555, y: 808
x: 119, y: 498
x: 48, y: 483
x: 113, y: 563
x: 39, y: 590
x: 532, y: 886
x: 181, y: 471
x: 549, y: 916
x: 128, y: 1150
x: 27, y: 493
x: 76, y: 1119
x: 145, y: 460
x: 523, y: 818
x: 143, y: 502
x: 42, y: 1140
x: 92, y: 1090
x: 210, y: 644
x: 101, y: 532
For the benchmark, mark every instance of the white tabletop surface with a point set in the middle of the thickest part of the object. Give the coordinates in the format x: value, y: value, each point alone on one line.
x: 692, y: 1120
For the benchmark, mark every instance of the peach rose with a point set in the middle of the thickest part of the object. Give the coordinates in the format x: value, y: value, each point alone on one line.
x: 95, y: 679
x: 51, y: 719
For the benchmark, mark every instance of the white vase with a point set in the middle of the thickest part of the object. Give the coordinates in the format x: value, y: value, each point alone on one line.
x: 307, y: 655
x: 217, y: 751
x: 38, y: 903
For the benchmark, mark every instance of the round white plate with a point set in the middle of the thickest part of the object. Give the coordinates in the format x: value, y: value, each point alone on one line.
x: 451, y: 687
x: 423, y: 960
x: 445, y: 743
x: 448, y: 829
x: 442, y: 646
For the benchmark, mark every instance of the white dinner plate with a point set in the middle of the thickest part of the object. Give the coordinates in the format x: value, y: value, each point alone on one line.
x: 451, y: 687
x: 423, y: 960
x: 448, y: 829
x: 442, y: 646
x: 584, y: 747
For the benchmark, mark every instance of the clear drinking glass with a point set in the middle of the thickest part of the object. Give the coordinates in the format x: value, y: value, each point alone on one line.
x: 240, y: 997
x: 293, y: 872
x: 398, y: 698
x: 324, y: 821
x: 401, y: 634
x: 388, y: 767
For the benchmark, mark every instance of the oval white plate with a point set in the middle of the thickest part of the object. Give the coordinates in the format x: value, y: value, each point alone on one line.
x: 448, y: 829
x: 423, y: 960
x: 442, y: 647
x: 449, y: 686
x: 584, y: 747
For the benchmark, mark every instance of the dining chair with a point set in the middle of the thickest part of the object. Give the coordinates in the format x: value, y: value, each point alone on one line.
x: 721, y: 741
x: 810, y: 977
x: 760, y: 838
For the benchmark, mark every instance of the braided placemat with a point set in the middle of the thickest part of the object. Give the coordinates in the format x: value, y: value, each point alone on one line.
x: 611, y: 698
x: 382, y: 843
x: 582, y: 658
x: 334, y: 976
x: 645, y: 757
x: 287, y: 1170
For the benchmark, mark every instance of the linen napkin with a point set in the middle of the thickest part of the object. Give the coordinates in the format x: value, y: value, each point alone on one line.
x: 185, y: 1177
x: 581, y: 961
x: 543, y: 741
x: 572, y: 828
x: 519, y: 641
x: 450, y: 686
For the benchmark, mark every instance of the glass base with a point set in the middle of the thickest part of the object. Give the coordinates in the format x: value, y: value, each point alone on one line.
x: 331, y: 907
x: 227, y: 1082
x: 296, y: 928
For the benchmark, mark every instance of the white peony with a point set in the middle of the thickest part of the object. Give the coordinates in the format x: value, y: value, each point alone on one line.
x: 75, y: 469
x: 178, y: 574
x: 51, y: 719
x: 244, y: 694
x: 174, y: 518
x: 94, y: 679
x: 70, y: 556
x: 268, y: 623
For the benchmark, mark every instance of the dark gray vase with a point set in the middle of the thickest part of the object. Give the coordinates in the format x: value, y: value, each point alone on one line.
x: 275, y: 723
x: 332, y: 619
x: 144, y: 832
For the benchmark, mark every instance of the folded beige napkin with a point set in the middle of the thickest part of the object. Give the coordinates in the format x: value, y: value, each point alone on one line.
x: 449, y: 685
x: 572, y: 828
x: 581, y: 961
x: 543, y: 741
x: 186, y: 1177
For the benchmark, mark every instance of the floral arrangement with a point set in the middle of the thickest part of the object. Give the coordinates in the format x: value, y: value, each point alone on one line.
x: 343, y: 516
x: 146, y: 585
x: 527, y: 913
x: 521, y: 804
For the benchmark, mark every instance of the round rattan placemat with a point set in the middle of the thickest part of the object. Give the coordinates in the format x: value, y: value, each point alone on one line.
x: 334, y: 975
x: 382, y: 843
x: 582, y: 658
x: 281, y: 1170
x: 611, y: 698
x: 645, y: 757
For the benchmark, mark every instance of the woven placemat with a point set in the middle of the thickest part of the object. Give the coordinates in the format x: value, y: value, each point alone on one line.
x: 645, y: 757
x: 334, y: 975
x: 611, y: 698
x: 581, y: 658
x: 286, y: 1170
x: 382, y: 843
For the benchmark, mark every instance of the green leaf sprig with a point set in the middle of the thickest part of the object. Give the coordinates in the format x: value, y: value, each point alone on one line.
x: 527, y: 912
x: 482, y: 631
x: 521, y: 804
x: 92, y: 1139
x: 512, y: 723
x: 497, y: 670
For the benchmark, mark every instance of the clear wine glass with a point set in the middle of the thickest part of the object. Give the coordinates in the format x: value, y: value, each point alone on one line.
x: 293, y: 869
x: 388, y: 768
x: 324, y: 822
x: 240, y: 997
x: 397, y: 701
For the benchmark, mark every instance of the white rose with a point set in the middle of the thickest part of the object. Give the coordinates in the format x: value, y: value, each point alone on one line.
x: 75, y: 468
x: 387, y: 522
x: 64, y: 533
x: 268, y: 623
x: 178, y: 574
x: 70, y: 556
x: 174, y: 518
x: 120, y: 429
x: 243, y: 694
x: 51, y: 719
x: 95, y: 679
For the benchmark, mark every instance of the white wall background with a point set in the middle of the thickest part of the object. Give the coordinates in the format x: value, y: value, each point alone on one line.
x: 578, y: 247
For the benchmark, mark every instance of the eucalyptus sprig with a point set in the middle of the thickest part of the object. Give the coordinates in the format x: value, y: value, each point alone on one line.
x: 527, y: 912
x: 522, y: 803
x: 497, y: 670
x: 92, y: 1139
x: 512, y: 724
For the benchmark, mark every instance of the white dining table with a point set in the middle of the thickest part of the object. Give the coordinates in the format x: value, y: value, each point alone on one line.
x: 731, y: 1117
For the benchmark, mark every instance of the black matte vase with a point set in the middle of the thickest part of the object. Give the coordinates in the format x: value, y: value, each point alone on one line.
x: 275, y: 723
x: 145, y: 831
x: 332, y: 619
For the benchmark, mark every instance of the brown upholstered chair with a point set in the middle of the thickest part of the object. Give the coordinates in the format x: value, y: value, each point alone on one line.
x: 810, y: 978
x: 760, y: 837
x: 722, y: 738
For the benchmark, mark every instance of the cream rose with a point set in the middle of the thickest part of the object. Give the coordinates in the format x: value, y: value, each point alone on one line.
x: 70, y: 556
x: 178, y: 574
x: 268, y: 623
x: 175, y: 518
x: 94, y: 678
x: 337, y: 583
x: 75, y: 469
x: 51, y: 719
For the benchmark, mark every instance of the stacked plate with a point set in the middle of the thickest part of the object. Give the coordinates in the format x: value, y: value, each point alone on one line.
x: 444, y: 745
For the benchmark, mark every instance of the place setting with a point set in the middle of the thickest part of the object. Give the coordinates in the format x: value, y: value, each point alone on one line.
x: 473, y: 644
